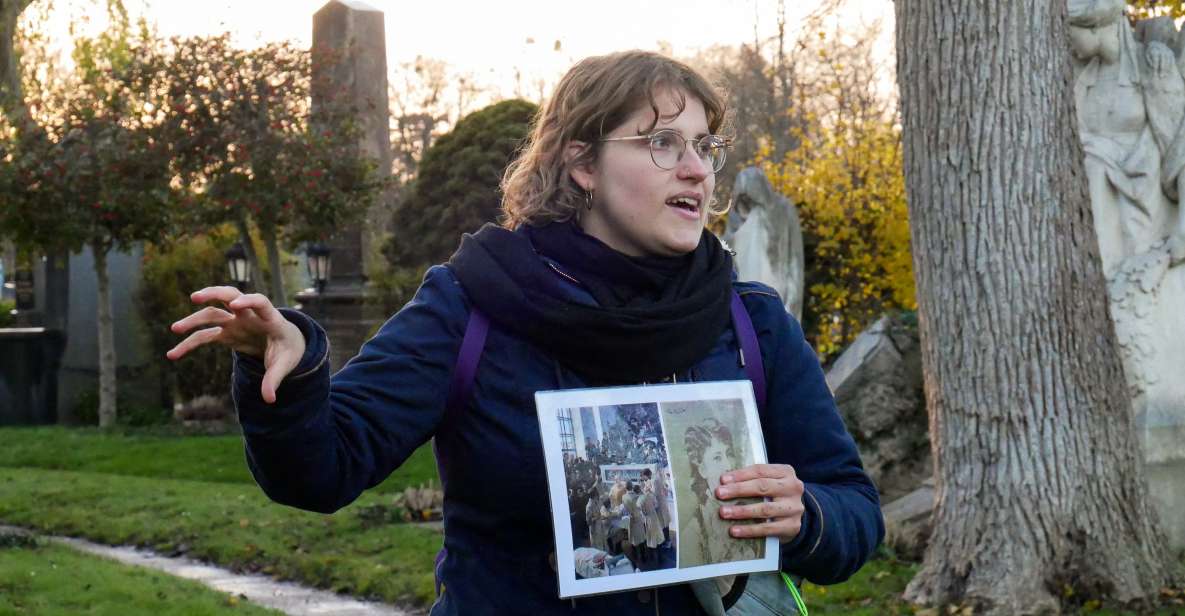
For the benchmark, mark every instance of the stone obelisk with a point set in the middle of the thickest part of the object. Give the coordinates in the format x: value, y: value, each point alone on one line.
x: 350, y: 70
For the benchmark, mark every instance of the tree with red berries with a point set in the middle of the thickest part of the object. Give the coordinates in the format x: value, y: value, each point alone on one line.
x: 245, y: 142
x: 88, y: 168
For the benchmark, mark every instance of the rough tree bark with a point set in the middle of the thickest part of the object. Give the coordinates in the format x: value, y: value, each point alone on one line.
x: 107, y: 392
x: 1039, y: 473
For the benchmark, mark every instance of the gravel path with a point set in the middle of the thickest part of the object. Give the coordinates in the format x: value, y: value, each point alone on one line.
x: 287, y: 597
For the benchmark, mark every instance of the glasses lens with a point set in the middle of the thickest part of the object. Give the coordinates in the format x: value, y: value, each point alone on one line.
x: 665, y: 148
x: 712, y: 150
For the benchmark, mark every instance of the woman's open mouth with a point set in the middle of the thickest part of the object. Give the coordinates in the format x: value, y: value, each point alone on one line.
x: 686, y: 206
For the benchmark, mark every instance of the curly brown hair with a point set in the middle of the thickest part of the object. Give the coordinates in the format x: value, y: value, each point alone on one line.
x: 591, y: 100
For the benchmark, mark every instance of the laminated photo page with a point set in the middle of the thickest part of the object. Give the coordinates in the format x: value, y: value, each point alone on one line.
x: 632, y: 474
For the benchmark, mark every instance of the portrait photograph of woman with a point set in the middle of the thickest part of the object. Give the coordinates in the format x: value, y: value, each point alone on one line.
x: 707, y: 439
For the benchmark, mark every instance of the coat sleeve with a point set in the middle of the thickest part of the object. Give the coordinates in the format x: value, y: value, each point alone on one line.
x: 326, y: 439
x: 842, y: 524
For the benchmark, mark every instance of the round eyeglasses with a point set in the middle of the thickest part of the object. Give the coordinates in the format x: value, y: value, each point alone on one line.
x: 667, y: 147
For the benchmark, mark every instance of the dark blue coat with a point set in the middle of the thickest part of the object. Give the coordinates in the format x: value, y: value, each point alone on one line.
x: 328, y: 439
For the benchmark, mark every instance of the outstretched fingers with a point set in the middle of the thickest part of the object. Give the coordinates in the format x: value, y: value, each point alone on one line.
x: 215, y: 294
x: 193, y: 341
x: 257, y: 302
x: 206, y: 316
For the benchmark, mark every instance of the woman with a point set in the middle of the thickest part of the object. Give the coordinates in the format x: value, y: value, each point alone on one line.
x: 604, y: 274
x: 703, y: 537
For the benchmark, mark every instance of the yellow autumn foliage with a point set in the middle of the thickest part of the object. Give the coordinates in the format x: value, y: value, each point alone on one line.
x: 1143, y: 9
x: 846, y: 179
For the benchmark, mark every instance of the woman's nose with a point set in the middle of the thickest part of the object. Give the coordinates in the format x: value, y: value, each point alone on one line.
x: 691, y: 166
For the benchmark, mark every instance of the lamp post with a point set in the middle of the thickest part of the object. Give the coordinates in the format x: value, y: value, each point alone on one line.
x: 318, y: 258
x: 236, y: 262
x: 318, y: 262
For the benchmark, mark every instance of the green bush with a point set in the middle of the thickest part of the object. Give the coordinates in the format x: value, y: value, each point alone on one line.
x: 6, y: 308
x: 456, y: 187
x: 170, y: 273
x: 392, y: 287
x: 86, y: 410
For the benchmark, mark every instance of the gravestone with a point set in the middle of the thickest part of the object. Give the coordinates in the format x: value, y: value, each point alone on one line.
x: 79, y: 375
x: 764, y: 231
x: 350, y: 70
x: 1130, y: 95
x: 877, y: 383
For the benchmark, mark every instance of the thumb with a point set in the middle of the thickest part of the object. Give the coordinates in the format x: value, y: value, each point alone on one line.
x: 268, y: 389
x: 271, y: 380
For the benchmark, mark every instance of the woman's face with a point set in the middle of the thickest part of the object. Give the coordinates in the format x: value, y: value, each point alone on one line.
x: 633, y: 210
x: 715, y: 463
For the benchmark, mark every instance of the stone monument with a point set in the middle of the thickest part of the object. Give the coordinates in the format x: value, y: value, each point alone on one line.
x: 350, y: 71
x: 1130, y: 95
x: 877, y: 383
x: 764, y: 231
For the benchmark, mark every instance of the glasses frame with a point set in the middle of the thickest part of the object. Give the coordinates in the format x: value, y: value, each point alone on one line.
x: 725, y: 143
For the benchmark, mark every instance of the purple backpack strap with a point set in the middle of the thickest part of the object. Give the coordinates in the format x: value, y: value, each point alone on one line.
x: 465, y: 370
x: 750, y: 349
x: 461, y: 386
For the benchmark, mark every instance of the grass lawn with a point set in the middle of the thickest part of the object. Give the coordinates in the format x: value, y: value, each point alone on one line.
x: 230, y: 524
x: 52, y: 580
x: 158, y: 453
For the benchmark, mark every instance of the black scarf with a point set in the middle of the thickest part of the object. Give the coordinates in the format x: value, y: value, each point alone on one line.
x: 656, y: 316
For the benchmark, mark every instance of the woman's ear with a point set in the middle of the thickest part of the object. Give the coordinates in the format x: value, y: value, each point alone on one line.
x: 582, y: 174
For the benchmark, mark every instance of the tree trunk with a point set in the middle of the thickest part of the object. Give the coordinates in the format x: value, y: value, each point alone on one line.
x: 276, y: 291
x: 1039, y: 472
x: 12, y: 98
x: 249, y: 248
x: 107, y: 394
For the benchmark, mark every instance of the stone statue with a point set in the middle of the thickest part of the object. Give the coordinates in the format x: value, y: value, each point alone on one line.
x: 1130, y: 95
x: 764, y: 231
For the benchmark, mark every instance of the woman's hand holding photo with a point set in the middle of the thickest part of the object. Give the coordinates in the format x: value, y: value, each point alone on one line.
x: 781, y: 515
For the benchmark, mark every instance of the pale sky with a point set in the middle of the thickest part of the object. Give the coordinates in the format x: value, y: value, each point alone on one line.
x: 491, y: 39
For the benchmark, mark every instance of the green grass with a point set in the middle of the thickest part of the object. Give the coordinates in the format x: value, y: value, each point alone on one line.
x: 156, y: 453
x: 875, y: 590
x: 52, y: 580
x: 230, y: 524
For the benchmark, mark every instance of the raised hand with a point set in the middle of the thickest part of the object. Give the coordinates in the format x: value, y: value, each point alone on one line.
x: 250, y: 325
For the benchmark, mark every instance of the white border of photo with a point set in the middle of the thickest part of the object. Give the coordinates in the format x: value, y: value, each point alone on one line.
x: 547, y: 403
